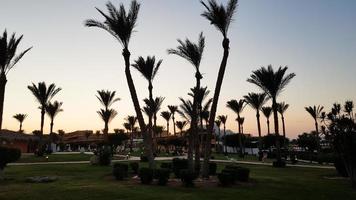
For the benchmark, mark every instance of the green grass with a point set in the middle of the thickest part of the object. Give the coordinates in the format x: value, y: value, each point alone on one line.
x: 82, y: 181
x: 54, y: 158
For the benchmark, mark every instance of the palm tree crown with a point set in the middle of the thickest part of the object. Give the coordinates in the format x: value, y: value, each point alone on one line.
x: 20, y: 117
x: 255, y: 100
x: 53, y: 109
x: 117, y: 22
x: 166, y: 115
x: 107, y: 98
x: 148, y: 68
x: 315, y: 111
x: 282, y: 107
x: 219, y: 16
x: 107, y: 115
x: 267, y: 111
x: 8, y: 57
x: 223, y: 118
x: 43, y: 94
x: 236, y: 106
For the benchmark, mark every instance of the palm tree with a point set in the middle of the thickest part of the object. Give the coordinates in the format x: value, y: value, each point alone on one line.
x: 166, y: 115
x: 120, y: 24
x: 52, y: 110
x: 256, y: 101
x: 241, y: 122
x: 193, y: 53
x: 237, y: 107
x: 20, y: 117
x: 180, y: 126
x: 223, y: 119
x: 173, y: 109
x: 43, y: 95
x: 8, y: 60
x: 221, y: 17
x: 315, y: 112
x: 131, y: 121
x: 272, y: 83
x: 107, y: 98
x: 348, y: 108
x: 267, y: 111
x: 152, y: 108
x: 218, y: 124
x: 127, y: 127
x: 107, y: 115
x: 282, y: 108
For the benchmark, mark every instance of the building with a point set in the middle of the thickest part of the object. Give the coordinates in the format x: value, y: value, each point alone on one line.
x: 25, y: 142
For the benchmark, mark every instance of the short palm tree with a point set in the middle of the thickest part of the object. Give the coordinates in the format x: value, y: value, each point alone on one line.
x: 173, y: 109
x: 237, y: 107
x: 166, y: 115
x: 8, y: 60
x: 131, y: 121
x: 43, y: 95
x: 221, y: 17
x: 256, y: 101
x: 20, y: 117
x: 180, y: 126
x: 52, y: 109
x: 223, y: 119
x: 107, y: 115
x: 282, y: 108
x: 315, y: 112
x: 267, y: 111
x: 218, y: 124
x: 193, y: 53
x: 272, y: 83
x: 120, y: 24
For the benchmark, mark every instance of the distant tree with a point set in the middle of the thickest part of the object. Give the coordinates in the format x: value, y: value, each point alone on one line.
x: 116, y: 139
x: 52, y: 109
x: 223, y: 119
x: 282, y: 108
x: 237, y: 107
x: 166, y: 115
x: 348, y: 108
x: 267, y: 111
x: 308, y: 142
x: 43, y: 95
x: 106, y: 116
x: 315, y: 112
x: 180, y: 126
x: 8, y: 60
x: 20, y: 117
x: 218, y: 124
x: 131, y: 121
x: 173, y: 109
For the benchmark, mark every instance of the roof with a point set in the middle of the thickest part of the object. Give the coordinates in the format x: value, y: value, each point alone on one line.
x: 13, y: 135
x: 82, y: 136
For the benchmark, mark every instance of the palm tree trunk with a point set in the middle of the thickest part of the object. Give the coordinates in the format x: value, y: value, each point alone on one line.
x: 195, y: 125
x: 42, y: 118
x: 276, y: 128
x: 225, y: 150
x: 167, y: 127
x: 317, y: 135
x: 20, y: 127
x: 240, y: 137
x: 51, y: 126
x: 284, y: 131
x: 106, y: 132
x: 131, y: 141
x: 214, y: 105
x: 174, y: 125
x: 259, y: 131
x: 147, y: 138
x: 3, y: 81
x: 268, y: 130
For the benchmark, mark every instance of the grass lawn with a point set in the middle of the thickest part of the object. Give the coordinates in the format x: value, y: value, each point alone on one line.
x: 54, y: 158
x: 82, y: 181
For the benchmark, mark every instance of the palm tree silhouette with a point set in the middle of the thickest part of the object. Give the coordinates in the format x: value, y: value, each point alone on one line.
x: 221, y: 17
x: 237, y: 107
x: 20, y: 117
x: 193, y: 53
x: 152, y: 108
x: 218, y: 124
x: 131, y: 121
x: 43, y: 95
x: 186, y: 109
x: 166, y: 115
x: 107, y: 99
x: 8, y: 60
x: 52, y: 109
x: 272, y: 83
x: 267, y: 111
x: 173, y: 109
x: 120, y: 24
x: 282, y: 108
x: 315, y: 112
x: 348, y: 108
x: 256, y: 101
x: 180, y: 126
x: 223, y: 119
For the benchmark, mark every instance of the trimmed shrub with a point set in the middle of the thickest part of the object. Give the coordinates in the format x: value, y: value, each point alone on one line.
x: 225, y: 179
x: 279, y: 163
x: 187, y: 177
x: 243, y: 174
x: 120, y: 171
x: 162, y: 175
x: 146, y: 175
x: 212, y: 168
x: 134, y: 167
x: 8, y: 155
x: 178, y: 165
x: 166, y: 165
x: 104, y: 155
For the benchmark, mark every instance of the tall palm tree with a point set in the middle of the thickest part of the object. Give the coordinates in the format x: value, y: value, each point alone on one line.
x: 282, y: 108
x: 166, y: 115
x: 20, y: 117
x: 315, y: 112
x: 107, y: 115
x: 237, y: 107
x: 218, y: 124
x: 173, y: 109
x: 221, y: 17
x: 8, y: 60
x: 107, y: 98
x: 272, y: 83
x: 267, y: 111
x: 120, y: 24
x: 52, y: 109
x: 180, y: 126
x: 43, y: 95
x: 223, y: 119
x: 256, y: 101
x: 193, y: 53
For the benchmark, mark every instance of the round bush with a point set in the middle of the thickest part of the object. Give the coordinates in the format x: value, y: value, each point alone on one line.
x: 104, y: 155
x: 134, y: 167
x: 120, y: 171
x: 146, y: 175
x: 187, y: 177
x: 212, y: 168
x: 225, y: 179
x: 8, y: 155
x: 178, y: 165
x: 279, y: 163
x: 243, y: 174
x: 162, y: 175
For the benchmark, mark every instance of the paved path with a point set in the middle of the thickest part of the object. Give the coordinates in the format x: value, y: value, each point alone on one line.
x: 169, y: 158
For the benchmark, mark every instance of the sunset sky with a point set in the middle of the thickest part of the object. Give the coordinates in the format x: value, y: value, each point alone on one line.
x: 315, y: 39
